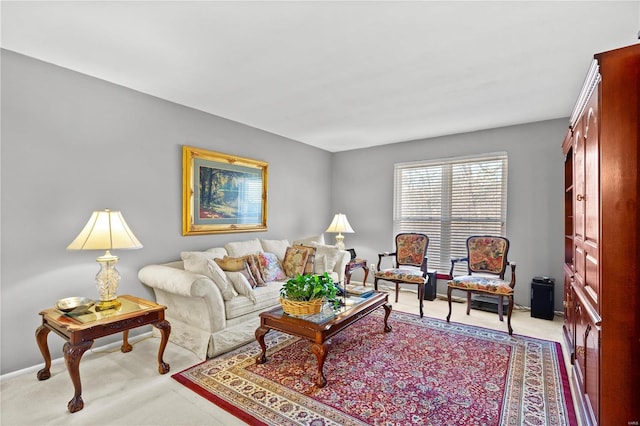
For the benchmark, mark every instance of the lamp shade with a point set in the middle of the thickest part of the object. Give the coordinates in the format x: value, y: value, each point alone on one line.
x: 340, y: 224
x: 105, y: 230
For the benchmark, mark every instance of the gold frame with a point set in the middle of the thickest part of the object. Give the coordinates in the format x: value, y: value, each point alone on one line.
x: 193, y: 160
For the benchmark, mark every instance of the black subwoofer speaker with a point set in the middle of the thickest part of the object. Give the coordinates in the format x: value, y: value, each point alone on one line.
x: 542, y: 297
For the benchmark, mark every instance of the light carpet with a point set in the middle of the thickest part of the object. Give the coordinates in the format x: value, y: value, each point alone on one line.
x: 425, y: 372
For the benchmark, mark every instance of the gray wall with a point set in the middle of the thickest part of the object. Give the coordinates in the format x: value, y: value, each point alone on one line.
x: 72, y: 144
x: 363, y: 190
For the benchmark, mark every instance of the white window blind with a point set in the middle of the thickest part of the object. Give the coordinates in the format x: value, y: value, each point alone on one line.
x: 450, y: 200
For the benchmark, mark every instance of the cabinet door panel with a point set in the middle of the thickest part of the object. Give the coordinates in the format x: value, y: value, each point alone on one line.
x: 592, y: 368
x: 578, y: 181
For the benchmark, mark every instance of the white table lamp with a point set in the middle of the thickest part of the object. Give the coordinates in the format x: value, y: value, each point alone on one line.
x: 340, y: 224
x: 106, y: 230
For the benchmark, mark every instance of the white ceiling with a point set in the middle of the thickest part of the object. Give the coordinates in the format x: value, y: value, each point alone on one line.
x: 336, y: 75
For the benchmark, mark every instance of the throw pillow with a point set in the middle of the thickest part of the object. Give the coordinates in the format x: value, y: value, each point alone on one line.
x: 331, y: 253
x: 198, y: 262
x: 321, y: 265
x: 270, y: 267
x: 278, y: 247
x: 242, y: 285
x: 254, y: 266
x: 294, y: 262
x: 309, y: 268
x: 231, y: 264
x: 243, y: 248
x: 237, y: 264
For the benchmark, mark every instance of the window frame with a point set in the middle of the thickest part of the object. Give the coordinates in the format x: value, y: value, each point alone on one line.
x: 447, y: 242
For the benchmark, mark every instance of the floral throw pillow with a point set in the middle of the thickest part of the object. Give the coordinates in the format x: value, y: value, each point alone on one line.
x: 270, y: 267
x: 294, y: 262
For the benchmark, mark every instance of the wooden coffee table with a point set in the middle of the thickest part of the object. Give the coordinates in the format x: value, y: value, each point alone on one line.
x: 81, y: 330
x: 319, y: 328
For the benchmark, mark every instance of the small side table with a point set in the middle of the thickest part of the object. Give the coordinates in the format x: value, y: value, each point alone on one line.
x: 80, y: 331
x: 353, y: 265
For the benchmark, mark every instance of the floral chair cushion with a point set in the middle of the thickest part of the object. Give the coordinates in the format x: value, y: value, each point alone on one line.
x: 487, y: 254
x: 401, y: 274
x: 480, y: 283
x: 411, y: 249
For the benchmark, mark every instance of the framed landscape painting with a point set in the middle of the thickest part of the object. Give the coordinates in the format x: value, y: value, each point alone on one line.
x: 222, y: 193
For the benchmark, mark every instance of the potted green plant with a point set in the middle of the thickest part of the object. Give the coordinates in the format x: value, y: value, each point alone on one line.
x: 306, y: 293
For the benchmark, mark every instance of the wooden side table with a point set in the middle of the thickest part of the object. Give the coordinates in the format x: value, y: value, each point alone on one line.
x: 353, y: 265
x: 80, y: 331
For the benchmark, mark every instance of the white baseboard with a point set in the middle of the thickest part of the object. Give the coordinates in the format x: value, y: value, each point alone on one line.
x: 108, y: 347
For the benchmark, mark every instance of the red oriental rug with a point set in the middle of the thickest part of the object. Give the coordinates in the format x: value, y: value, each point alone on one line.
x: 425, y: 372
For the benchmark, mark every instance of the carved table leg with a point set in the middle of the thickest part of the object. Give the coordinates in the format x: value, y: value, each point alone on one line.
x: 449, y: 301
x: 72, y: 356
x: 387, y: 312
x: 260, y: 332
x: 320, y: 350
x: 126, y: 347
x: 165, y: 330
x: 41, y: 337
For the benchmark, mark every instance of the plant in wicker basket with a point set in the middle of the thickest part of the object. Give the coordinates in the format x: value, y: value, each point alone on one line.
x: 305, y: 294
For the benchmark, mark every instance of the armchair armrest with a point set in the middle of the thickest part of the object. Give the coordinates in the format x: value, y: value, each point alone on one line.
x: 382, y: 255
x: 512, y: 284
x: 453, y: 263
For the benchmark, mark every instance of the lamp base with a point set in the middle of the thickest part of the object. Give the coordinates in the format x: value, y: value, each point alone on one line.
x: 105, y: 305
x: 340, y: 241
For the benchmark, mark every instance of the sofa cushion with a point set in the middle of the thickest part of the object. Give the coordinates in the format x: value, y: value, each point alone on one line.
x: 307, y: 241
x: 202, y: 263
x: 278, y: 247
x: 266, y: 298
x: 295, y: 260
x: 243, y: 248
x: 270, y: 267
x: 218, y: 252
x: 332, y: 254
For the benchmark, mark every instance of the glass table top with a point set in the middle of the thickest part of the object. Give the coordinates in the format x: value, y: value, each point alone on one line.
x: 127, y: 306
x: 328, y: 311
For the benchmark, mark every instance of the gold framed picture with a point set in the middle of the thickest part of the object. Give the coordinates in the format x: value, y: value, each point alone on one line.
x: 222, y: 193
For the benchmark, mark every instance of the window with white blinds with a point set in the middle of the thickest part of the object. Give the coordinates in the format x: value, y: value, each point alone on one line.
x: 450, y: 200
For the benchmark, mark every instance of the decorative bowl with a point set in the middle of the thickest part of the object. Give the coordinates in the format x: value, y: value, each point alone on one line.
x: 74, y: 304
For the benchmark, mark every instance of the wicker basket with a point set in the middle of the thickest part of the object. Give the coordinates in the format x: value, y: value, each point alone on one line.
x: 309, y: 307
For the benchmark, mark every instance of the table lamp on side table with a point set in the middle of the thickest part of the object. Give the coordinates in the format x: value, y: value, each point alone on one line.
x: 340, y: 224
x: 106, y: 230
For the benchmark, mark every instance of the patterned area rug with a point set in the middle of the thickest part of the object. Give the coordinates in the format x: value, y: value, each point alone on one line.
x: 424, y: 372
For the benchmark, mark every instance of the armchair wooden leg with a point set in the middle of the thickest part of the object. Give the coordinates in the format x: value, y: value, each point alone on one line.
x: 509, y: 314
x: 421, y: 297
x: 468, y: 302
x: 375, y: 284
x: 449, y: 302
x: 500, y: 300
x: 397, y: 290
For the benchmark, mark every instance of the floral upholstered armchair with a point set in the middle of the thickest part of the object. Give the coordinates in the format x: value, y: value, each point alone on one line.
x: 487, y: 262
x: 409, y: 264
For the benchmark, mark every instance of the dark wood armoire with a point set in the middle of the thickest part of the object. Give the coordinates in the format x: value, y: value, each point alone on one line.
x: 602, y: 240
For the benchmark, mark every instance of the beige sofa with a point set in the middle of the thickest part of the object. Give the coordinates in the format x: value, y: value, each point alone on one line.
x: 212, y: 310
